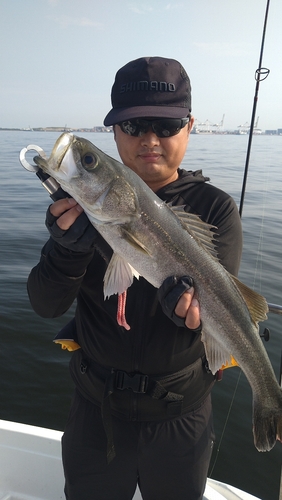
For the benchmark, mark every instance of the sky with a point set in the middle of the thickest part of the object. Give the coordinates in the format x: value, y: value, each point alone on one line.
x: 58, y: 58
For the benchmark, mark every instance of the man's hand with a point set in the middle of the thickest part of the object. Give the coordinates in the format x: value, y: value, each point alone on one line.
x: 66, y: 211
x: 178, y: 302
x: 69, y: 226
x: 188, y: 307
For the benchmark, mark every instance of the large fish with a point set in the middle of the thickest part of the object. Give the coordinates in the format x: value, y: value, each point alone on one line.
x: 154, y: 240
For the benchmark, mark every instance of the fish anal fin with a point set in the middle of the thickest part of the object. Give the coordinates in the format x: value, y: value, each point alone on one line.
x: 118, y: 276
x: 256, y: 303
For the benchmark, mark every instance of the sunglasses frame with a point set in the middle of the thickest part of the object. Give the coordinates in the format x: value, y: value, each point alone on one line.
x: 143, y: 127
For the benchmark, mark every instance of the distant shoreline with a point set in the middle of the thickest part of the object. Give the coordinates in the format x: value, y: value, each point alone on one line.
x: 58, y: 129
x: 102, y: 129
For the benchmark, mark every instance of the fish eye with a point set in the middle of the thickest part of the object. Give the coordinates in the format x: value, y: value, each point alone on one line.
x: 89, y: 161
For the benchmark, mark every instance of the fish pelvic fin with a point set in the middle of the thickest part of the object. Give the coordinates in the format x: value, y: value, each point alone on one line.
x: 197, y: 228
x: 256, y: 303
x: 267, y: 425
x: 118, y: 276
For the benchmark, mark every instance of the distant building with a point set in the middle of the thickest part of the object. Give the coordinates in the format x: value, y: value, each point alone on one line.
x: 272, y: 132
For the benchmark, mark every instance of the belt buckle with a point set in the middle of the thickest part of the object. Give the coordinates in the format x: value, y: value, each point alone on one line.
x: 138, y: 382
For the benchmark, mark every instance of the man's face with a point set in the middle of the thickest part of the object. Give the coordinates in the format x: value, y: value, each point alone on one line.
x: 154, y: 159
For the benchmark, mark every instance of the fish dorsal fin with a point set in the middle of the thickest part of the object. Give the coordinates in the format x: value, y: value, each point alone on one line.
x: 200, y: 230
x: 118, y: 276
x: 256, y: 303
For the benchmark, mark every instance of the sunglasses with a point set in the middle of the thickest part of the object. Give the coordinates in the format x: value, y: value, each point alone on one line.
x: 166, y: 127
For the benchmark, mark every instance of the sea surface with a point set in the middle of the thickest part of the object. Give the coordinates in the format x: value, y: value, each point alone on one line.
x: 35, y: 386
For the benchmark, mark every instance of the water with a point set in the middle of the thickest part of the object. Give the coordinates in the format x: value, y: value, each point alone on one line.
x: 35, y: 386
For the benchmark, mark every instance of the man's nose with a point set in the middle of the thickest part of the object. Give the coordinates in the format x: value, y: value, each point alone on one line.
x: 150, y: 138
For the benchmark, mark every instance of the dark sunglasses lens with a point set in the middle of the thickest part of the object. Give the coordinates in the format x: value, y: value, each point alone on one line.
x: 135, y: 127
x: 162, y: 128
x: 168, y: 127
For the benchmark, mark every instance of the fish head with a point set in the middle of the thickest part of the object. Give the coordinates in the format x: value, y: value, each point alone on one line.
x: 95, y: 180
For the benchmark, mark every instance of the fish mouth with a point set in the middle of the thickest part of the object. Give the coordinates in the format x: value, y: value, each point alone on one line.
x: 61, y: 147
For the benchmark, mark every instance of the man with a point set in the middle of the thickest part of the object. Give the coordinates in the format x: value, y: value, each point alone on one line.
x: 141, y: 412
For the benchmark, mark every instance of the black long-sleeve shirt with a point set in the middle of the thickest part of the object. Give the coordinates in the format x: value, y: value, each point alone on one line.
x: 154, y: 345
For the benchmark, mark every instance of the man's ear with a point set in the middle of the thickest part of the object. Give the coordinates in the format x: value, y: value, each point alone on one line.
x: 190, y: 124
x: 114, y: 130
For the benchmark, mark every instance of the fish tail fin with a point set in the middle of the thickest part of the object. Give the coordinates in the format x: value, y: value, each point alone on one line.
x: 267, y: 426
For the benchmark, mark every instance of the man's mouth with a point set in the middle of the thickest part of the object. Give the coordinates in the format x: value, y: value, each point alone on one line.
x: 150, y: 157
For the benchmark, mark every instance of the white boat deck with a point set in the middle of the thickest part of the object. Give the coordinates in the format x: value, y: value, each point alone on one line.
x: 31, y: 467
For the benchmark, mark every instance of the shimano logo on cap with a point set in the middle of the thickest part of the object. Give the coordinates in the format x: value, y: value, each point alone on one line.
x: 144, y: 85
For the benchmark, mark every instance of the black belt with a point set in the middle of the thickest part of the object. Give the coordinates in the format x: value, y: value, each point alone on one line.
x: 155, y: 387
x: 139, y: 384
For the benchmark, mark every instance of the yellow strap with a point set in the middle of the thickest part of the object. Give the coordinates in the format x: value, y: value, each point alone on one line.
x: 70, y: 345
x: 231, y: 363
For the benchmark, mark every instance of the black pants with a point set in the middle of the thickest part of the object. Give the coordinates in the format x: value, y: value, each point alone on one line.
x: 168, y: 459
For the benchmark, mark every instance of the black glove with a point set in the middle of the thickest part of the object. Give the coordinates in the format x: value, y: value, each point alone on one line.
x: 169, y: 294
x: 80, y: 237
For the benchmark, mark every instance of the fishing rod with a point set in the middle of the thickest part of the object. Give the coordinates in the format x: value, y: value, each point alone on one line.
x: 260, y: 75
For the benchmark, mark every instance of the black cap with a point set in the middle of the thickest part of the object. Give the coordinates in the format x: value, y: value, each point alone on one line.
x: 150, y: 87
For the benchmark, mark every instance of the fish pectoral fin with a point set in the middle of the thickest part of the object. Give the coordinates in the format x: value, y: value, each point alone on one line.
x: 256, y: 303
x: 197, y: 228
x: 217, y: 356
x: 118, y: 276
x: 132, y: 240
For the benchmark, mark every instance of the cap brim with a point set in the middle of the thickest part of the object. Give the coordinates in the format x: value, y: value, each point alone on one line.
x: 117, y: 115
